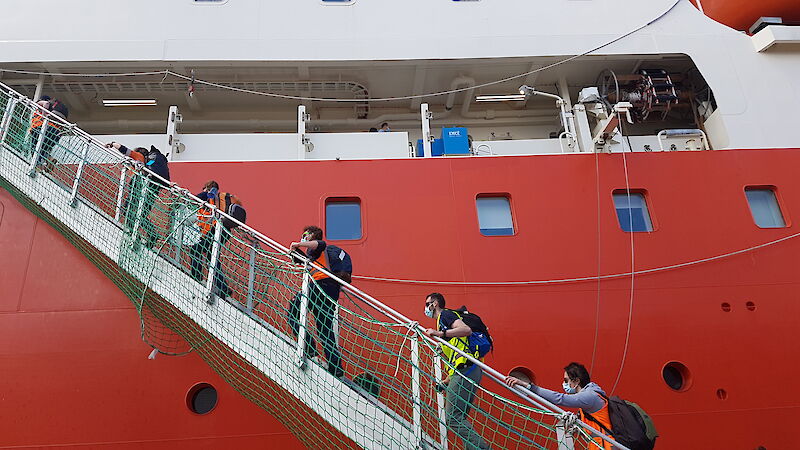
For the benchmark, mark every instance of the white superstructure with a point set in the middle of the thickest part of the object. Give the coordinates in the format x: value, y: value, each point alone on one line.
x: 737, y: 89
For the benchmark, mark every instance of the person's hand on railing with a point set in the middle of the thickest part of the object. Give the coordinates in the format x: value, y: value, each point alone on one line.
x: 512, y: 382
x: 430, y: 332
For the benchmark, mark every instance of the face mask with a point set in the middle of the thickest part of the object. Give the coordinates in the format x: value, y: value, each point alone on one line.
x: 212, y: 193
x: 304, y: 238
x: 429, y: 312
x: 567, y: 388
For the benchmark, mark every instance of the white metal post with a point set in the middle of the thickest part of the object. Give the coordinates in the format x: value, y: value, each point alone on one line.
x: 37, y: 93
x: 437, y: 371
x: 303, y: 320
x: 302, y: 140
x: 215, y: 253
x: 38, y: 151
x: 564, y: 437
x: 584, y: 132
x: 172, y: 132
x: 416, y: 395
x: 5, y: 124
x: 251, y: 278
x: 426, y: 117
x: 120, y: 191
x: 73, y: 198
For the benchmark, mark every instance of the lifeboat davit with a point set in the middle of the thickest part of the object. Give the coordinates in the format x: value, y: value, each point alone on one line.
x: 741, y: 14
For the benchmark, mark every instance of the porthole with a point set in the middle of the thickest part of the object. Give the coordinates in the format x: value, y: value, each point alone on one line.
x: 677, y: 376
x: 726, y: 307
x: 750, y: 306
x: 523, y: 374
x: 722, y: 394
x: 201, y: 398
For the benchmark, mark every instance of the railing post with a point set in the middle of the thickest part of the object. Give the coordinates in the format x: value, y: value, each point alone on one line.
x: 303, y: 320
x: 437, y: 371
x: 120, y: 192
x: 38, y: 151
x: 416, y: 396
x: 215, y: 254
x: 565, y: 439
x: 5, y: 124
x: 251, y: 277
x: 73, y: 198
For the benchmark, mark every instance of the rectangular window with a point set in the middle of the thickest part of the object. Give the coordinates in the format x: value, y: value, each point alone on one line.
x: 494, y: 215
x: 343, y: 219
x: 764, y: 207
x: 632, y: 211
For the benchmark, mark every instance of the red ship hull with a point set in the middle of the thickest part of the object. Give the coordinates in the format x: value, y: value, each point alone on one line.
x: 76, y: 372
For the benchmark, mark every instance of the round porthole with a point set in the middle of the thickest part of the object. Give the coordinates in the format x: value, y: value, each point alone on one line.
x: 726, y: 307
x: 524, y: 374
x: 676, y: 376
x: 201, y: 398
x: 722, y: 394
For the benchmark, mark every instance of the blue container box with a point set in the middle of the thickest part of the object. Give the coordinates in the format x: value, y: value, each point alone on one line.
x: 437, y: 148
x: 456, y: 141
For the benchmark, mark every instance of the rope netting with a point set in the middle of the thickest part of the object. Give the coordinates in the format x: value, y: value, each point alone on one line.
x: 365, y: 377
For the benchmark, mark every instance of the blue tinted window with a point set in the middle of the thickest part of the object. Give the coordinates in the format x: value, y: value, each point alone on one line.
x: 494, y: 216
x: 343, y: 219
x: 764, y: 207
x: 632, y: 211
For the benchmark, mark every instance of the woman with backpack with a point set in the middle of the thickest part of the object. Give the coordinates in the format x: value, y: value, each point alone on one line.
x: 579, y: 392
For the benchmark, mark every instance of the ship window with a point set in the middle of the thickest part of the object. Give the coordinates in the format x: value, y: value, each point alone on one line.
x: 764, y: 207
x: 343, y: 219
x: 202, y: 398
x: 494, y: 215
x: 632, y: 211
x: 338, y: 2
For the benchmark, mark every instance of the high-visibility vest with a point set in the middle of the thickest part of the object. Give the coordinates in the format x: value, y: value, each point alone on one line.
x: 456, y: 359
x: 322, y: 260
x: 604, y: 418
x: 204, y: 219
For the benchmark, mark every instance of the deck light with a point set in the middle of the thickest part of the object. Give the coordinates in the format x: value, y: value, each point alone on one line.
x: 500, y: 98
x: 128, y: 102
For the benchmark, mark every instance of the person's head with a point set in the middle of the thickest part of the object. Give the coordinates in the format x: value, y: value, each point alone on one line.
x: 373, y: 130
x: 312, y: 233
x: 576, y: 377
x: 212, y: 188
x: 434, y: 304
x: 141, y: 150
x: 385, y: 126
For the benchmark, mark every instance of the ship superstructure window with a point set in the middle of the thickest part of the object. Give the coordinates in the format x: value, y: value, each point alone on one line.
x: 764, y: 207
x: 343, y: 219
x: 494, y: 215
x: 632, y: 211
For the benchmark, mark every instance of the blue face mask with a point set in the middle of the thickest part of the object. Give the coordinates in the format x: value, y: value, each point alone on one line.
x: 212, y: 193
x: 429, y: 312
x: 567, y: 388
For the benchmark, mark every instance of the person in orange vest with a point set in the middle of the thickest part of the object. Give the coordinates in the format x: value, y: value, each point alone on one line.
x: 200, y: 253
x: 322, y: 302
x: 579, y: 392
x: 58, y: 110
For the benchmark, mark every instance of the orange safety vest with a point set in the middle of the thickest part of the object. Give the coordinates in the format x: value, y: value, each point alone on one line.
x: 204, y: 219
x: 604, y: 418
x: 38, y: 120
x: 322, y: 261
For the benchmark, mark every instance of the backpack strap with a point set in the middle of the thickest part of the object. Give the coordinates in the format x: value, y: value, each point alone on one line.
x: 227, y: 202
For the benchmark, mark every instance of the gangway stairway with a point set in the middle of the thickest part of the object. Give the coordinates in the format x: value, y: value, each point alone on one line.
x: 110, y: 207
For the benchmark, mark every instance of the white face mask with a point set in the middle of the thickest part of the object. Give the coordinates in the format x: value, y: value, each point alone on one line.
x: 567, y: 388
x: 429, y: 312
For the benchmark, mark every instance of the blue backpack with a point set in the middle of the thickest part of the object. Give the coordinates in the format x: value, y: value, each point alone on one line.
x: 340, y: 263
x: 480, y: 341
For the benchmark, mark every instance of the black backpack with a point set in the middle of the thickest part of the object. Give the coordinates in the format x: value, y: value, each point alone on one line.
x: 234, y: 210
x: 475, y: 323
x: 630, y: 425
x: 340, y: 263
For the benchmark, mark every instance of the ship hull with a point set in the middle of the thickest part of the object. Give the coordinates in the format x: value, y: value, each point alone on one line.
x: 77, y: 371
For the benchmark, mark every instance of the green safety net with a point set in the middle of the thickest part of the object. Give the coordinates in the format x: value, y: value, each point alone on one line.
x: 244, y: 318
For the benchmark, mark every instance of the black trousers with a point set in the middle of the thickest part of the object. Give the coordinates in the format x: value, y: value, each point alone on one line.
x: 200, y: 254
x: 324, y: 311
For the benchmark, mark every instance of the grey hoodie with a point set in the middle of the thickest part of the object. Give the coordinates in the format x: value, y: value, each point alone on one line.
x: 587, y: 399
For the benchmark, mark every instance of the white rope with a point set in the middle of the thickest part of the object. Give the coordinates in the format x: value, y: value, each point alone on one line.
x: 354, y: 100
x: 580, y: 279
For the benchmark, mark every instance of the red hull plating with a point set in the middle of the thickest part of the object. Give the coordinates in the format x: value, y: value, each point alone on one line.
x: 78, y: 366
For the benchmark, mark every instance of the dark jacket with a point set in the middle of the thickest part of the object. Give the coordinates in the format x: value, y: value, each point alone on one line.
x: 157, y: 163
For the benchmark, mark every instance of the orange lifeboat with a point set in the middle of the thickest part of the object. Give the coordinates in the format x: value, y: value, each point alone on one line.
x: 741, y: 14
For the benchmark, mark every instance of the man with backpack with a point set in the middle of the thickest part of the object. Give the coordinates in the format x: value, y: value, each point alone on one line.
x: 624, y: 421
x: 200, y: 252
x: 323, y: 295
x: 466, y: 332
x: 52, y: 134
